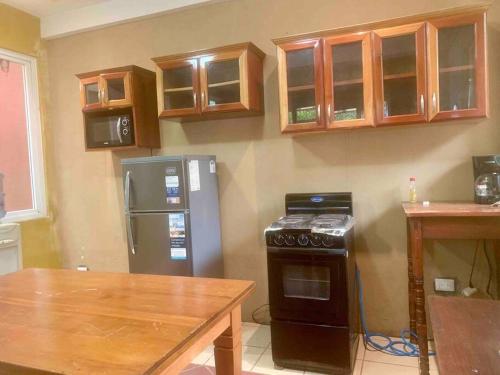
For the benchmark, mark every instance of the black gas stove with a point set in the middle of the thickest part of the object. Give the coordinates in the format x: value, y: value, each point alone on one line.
x: 309, y: 230
x: 310, y: 257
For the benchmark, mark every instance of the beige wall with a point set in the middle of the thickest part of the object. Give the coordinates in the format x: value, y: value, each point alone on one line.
x: 256, y: 164
x: 20, y: 32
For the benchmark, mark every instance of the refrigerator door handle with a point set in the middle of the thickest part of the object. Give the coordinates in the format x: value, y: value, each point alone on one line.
x: 130, y: 236
x: 127, y: 192
x: 129, y: 233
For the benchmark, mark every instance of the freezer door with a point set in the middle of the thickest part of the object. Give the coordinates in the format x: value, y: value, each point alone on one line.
x: 159, y: 244
x: 154, y: 186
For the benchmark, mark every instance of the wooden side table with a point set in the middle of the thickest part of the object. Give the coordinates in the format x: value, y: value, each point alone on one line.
x: 466, y: 335
x: 440, y: 220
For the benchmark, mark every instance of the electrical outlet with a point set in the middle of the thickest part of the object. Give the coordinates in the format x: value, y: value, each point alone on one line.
x: 444, y: 285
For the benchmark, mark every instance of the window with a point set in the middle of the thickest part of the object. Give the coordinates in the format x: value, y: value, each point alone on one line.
x: 21, y: 157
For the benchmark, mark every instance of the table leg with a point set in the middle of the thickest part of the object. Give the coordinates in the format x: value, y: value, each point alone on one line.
x: 418, y: 272
x: 228, y: 347
x: 496, y: 246
x: 411, y: 284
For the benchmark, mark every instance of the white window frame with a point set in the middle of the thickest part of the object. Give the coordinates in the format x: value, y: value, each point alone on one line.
x: 34, y: 132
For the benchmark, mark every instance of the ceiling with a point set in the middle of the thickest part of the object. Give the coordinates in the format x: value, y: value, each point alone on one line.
x: 41, y: 8
x: 64, y: 17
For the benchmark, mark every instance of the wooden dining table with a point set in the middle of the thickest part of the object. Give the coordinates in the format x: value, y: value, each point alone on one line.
x: 70, y: 322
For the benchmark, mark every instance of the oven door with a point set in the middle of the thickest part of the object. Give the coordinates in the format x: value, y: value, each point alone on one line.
x: 109, y: 130
x: 307, y: 286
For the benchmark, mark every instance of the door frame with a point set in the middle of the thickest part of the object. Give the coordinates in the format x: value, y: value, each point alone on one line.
x: 367, y: 80
x: 480, y: 64
x: 420, y: 70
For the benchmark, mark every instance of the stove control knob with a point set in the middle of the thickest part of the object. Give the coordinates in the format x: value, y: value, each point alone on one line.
x: 303, y: 240
x: 315, y: 240
x: 290, y: 239
x: 279, y: 239
x: 327, y: 241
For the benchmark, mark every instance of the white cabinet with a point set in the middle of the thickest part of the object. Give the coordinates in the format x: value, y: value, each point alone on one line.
x: 10, y: 248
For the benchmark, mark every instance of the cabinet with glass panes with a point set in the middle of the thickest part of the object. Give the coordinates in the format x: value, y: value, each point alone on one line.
x: 300, y: 85
x: 419, y: 69
x: 105, y: 89
x: 348, y: 80
x: 220, y: 82
x: 399, y: 74
x: 457, y: 67
x: 119, y: 108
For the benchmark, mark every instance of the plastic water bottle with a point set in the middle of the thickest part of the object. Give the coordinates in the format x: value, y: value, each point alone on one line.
x: 413, y: 190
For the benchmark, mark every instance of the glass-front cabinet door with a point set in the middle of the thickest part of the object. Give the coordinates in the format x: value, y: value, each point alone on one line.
x: 116, y: 89
x: 90, y: 93
x: 348, y: 80
x: 179, y: 83
x: 301, y: 85
x: 457, y: 67
x: 400, y: 74
x: 224, y: 81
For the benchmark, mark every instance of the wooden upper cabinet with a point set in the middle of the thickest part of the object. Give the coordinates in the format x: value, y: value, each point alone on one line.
x: 90, y: 93
x: 458, y: 85
x: 116, y: 89
x: 400, y: 74
x: 300, y: 71
x: 179, y: 84
x: 409, y: 70
x: 220, y: 82
x: 105, y: 90
x: 348, y: 80
x: 224, y: 81
x: 119, y: 108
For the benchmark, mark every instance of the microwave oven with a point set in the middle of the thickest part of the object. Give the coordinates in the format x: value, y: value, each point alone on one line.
x: 109, y: 130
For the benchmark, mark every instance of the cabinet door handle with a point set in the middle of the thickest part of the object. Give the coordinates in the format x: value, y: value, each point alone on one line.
x: 99, y: 96
x: 203, y: 99
x: 422, y: 103
x: 194, y: 98
x: 434, y: 102
x: 329, y: 110
x: 318, y: 111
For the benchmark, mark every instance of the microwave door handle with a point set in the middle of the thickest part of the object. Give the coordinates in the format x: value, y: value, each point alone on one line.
x: 118, y: 130
x: 127, y: 213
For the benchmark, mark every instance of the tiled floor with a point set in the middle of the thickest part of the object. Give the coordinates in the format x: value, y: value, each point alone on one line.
x: 257, y: 357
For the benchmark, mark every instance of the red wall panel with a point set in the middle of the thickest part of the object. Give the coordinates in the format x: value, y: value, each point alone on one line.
x: 14, y: 156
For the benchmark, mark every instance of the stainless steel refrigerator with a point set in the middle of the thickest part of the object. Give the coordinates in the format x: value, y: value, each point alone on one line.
x: 172, y: 215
